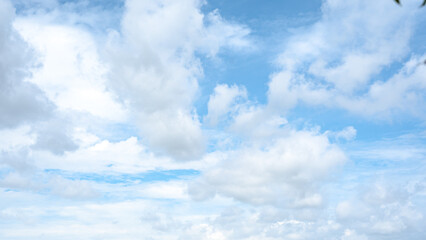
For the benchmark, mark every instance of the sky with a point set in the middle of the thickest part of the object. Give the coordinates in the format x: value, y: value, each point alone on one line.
x: 212, y: 120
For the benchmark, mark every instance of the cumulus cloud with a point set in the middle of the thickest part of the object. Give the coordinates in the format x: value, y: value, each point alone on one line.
x: 71, y: 73
x: 20, y: 172
x: 134, y: 218
x: 285, y: 173
x: 20, y: 101
x: 258, y: 123
x: 55, y: 136
x: 382, y: 209
x: 128, y: 156
x: 222, y: 101
x: 17, y: 138
x: 159, y: 77
x: 322, y: 66
x: 17, y: 160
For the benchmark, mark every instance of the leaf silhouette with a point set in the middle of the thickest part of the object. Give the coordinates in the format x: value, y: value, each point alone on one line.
x: 423, y: 4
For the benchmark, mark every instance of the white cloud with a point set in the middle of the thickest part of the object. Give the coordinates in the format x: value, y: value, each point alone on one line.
x: 220, y: 33
x: 55, y: 136
x: 155, y: 70
x: 336, y: 62
x: 409, y: 148
x: 15, y: 180
x: 20, y: 101
x: 71, y: 189
x: 258, y: 123
x: 17, y: 138
x: 285, y: 173
x: 352, y: 235
x: 383, y: 209
x: 348, y: 133
x: 222, y: 101
x: 31, y: 179
x: 165, y: 190
x: 128, y: 156
x: 125, y: 156
x: 18, y: 160
x: 129, y: 219
x: 71, y: 72
x: 174, y: 133
x: 66, y: 73
x: 134, y: 218
x: 404, y: 92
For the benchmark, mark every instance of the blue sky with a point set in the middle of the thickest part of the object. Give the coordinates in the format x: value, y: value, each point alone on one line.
x: 193, y: 119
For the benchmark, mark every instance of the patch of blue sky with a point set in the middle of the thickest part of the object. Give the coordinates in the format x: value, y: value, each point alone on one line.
x: 378, y: 163
x: 418, y: 41
x: 250, y: 70
x: 117, y: 132
x: 270, y: 23
x: 121, y: 178
x: 95, y: 16
x: 82, y: 5
x: 394, y: 161
x: 407, y: 147
x: 368, y: 129
x: 105, y: 4
x: 259, y: 14
x: 5, y: 170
